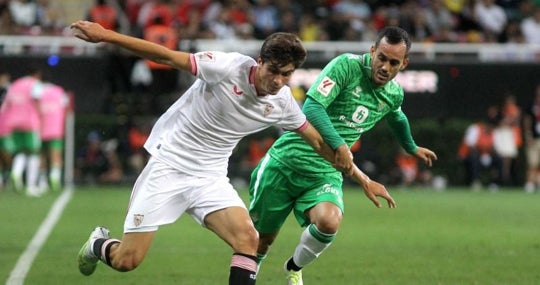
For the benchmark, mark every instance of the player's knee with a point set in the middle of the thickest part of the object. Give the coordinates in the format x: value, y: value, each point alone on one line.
x: 329, y: 225
x: 246, y: 241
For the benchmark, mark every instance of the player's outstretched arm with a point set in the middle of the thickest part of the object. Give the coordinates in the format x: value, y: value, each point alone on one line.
x: 425, y: 155
x: 95, y: 33
x: 372, y: 189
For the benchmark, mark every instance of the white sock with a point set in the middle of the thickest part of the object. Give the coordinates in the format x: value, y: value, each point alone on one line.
x: 310, y: 247
x: 55, y: 173
x: 32, y: 171
x: 19, y: 163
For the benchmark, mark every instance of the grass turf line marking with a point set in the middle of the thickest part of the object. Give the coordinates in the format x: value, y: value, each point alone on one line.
x: 18, y: 274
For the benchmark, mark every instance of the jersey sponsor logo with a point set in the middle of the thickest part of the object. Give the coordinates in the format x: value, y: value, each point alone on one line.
x: 268, y: 109
x: 137, y: 219
x: 206, y: 56
x: 360, y: 114
x: 326, y: 85
x: 328, y: 189
x: 357, y: 91
x: 236, y: 91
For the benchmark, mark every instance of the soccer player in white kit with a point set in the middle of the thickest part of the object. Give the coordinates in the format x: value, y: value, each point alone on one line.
x: 234, y: 96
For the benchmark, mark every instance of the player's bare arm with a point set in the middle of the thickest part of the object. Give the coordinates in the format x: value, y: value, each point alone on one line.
x: 425, y: 155
x: 314, y: 139
x: 95, y: 33
x: 372, y: 189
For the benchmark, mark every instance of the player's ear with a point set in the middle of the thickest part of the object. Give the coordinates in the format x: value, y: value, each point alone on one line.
x: 405, y: 64
x: 259, y: 60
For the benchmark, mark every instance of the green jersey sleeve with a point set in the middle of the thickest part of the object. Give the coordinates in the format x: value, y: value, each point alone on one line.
x: 399, y: 124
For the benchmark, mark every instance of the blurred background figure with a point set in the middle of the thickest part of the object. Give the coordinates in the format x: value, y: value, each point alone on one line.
x: 97, y: 161
x: 137, y: 135
x: 482, y: 163
x: 507, y: 139
x: 21, y: 114
x: 53, y: 106
x: 531, y: 128
x: 6, y: 147
x: 104, y: 14
x: 409, y: 173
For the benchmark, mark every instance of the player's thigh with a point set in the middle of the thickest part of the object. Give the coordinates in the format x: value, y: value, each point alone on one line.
x: 327, y: 188
x: 272, y: 195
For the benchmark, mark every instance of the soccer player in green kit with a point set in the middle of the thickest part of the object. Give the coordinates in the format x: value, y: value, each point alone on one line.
x: 352, y: 94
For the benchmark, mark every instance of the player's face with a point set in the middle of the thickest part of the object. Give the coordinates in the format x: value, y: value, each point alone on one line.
x: 270, y: 78
x: 387, y: 60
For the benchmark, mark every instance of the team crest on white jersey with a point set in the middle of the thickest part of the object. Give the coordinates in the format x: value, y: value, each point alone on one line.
x: 268, y: 109
x: 206, y: 56
x: 326, y: 86
x: 137, y: 219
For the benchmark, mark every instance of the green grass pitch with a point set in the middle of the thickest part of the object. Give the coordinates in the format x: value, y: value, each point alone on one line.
x: 450, y: 237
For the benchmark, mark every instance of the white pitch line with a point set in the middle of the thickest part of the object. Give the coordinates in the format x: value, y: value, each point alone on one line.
x: 18, y: 274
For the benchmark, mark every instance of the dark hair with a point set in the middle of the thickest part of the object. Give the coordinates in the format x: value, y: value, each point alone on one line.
x: 394, y: 35
x: 282, y: 49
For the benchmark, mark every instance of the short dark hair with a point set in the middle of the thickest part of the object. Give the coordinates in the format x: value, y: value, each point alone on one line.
x: 394, y: 35
x: 282, y: 49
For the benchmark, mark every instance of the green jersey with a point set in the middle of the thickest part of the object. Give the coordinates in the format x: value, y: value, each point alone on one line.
x: 353, y: 104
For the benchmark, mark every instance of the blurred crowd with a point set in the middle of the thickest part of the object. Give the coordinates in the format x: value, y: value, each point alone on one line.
x: 461, y: 21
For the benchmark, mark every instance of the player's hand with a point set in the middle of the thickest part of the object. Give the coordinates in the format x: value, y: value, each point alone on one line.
x: 343, y: 160
x: 425, y: 155
x: 88, y: 31
x: 376, y: 189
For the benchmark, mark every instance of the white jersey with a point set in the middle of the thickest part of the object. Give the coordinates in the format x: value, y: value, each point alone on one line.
x: 199, y: 131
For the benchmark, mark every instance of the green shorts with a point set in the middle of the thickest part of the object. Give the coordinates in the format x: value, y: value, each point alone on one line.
x: 52, y: 144
x: 26, y: 141
x: 7, y: 145
x: 275, y: 190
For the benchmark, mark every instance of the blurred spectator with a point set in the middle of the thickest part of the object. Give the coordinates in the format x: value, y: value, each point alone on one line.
x: 164, y: 78
x: 137, y: 135
x: 265, y: 17
x: 409, y: 172
x: 151, y: 10
x: 53, y: 107
x: 438, y: 16
x: 481, y: 162
x: 310, y: 29
x: 223, y: 26
x: 531, y: 127
x: 104, y: 14
x: 23, y: 12
x: 491, y: 18
x: 512, y: 33
x: 530, y: 27
x: 132, y: 9
x: 97, y: 162
x: 355, y: 13
x: 51, y: 17
x: 189, y: 21
x: 7, y: 24
x: 420, y: 30
x: 507, y: 139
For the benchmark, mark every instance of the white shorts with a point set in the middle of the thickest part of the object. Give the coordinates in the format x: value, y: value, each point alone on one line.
x: 162, y: 194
